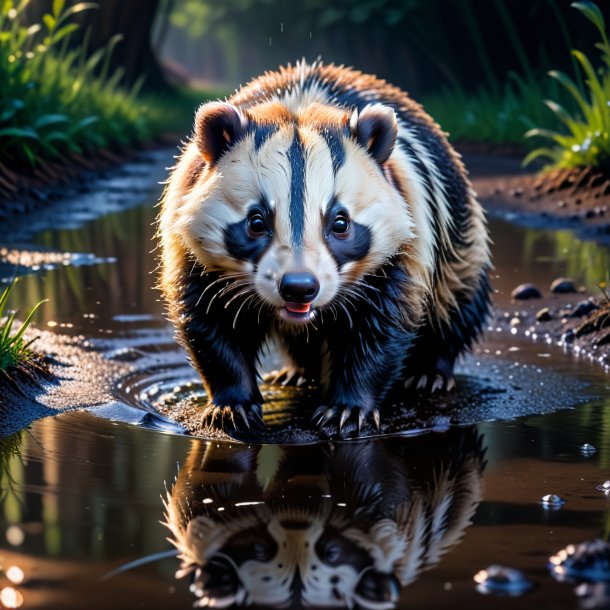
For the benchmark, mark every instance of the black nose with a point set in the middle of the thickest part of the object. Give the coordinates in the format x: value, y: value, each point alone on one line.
x: 299, y: 287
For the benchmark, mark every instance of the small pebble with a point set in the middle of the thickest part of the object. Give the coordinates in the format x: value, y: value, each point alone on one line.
x: 588, y: 561
x: 526, y: 291
x: 552, y: 501
x: 544, y: 315
x: 561, y: 203
x: 568, y: 336
x: 563, y: 285
x: 517, y: 192
x: 587, y: 450
x: 500, y: 580
x: 515, y: 322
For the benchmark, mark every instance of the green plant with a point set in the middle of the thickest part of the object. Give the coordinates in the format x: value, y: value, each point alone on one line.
x: 56, y: 100
x: 586, y: 142
x: 14, y: 349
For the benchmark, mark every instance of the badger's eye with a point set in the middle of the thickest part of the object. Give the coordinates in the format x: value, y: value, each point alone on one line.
x: 340, y: 226
x: 256, y: 225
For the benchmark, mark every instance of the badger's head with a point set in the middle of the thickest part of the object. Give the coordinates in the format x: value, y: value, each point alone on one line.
x: 294, y: 202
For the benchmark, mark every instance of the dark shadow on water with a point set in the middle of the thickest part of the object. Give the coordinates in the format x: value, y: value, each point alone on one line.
x: 342, y: 525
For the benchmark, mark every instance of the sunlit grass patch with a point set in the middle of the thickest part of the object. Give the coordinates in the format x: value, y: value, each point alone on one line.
x: 585, y: 140
x: 56, y: 101
x: 14, y: 348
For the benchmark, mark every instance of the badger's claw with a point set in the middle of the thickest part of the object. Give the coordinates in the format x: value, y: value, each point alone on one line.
x: 238, y: 418
x: 430, y: 384
x: 345, y: 413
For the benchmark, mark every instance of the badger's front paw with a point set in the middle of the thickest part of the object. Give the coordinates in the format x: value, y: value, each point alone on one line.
x: 236, y: 418
x: 346, y: 417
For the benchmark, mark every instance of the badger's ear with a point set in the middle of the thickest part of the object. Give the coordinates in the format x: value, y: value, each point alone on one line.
x: 375, y: 128
x: 218, y: 126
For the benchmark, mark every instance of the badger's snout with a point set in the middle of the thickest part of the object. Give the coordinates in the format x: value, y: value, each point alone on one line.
x: 299, y: 287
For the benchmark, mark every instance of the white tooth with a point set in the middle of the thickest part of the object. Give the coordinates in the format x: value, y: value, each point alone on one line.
x: 409, y: 382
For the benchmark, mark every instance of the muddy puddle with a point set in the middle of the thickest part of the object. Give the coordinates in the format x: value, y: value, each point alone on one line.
x: 406, y: 519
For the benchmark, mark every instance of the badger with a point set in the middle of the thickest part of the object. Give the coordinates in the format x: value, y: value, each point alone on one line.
x: 332, y: 525
x: 322, y: 210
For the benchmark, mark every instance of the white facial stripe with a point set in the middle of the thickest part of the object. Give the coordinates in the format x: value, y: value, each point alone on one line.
x: 424, y: 238
x: 373, y: 202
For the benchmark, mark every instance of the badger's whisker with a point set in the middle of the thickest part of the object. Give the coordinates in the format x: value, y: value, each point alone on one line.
x: 237, y: 295
x: 351, y: 323
x: 223, y: 277
x: 233, y: 286
x: 240, y: 308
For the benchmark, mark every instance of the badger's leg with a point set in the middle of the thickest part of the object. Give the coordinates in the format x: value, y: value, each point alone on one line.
x: 364, y: 365
x: 366, y: 348
x: 430, y: 363
x: 302, y: 351
x: 223, y: 339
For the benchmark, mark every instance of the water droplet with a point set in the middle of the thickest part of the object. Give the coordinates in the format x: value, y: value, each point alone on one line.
x: 587, y: 450
x: 588, y: 561
x: 552, y: 501
x: 605, y: 487
x: 500, y: 580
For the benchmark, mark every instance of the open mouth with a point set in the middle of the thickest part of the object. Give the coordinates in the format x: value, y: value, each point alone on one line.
x: 297, y: 312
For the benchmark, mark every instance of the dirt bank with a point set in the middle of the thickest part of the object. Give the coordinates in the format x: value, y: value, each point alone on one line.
x: 572, y: 199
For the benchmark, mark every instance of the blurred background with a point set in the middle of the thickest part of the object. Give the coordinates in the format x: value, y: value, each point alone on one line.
x: 479, y: 66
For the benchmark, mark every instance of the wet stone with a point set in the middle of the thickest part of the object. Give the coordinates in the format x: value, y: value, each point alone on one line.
x: 552, y: 502
x: 526, y: 291
x: 587, y: 450
x: 544, y: 315
x: 584, y: 308
x: 588, y: 561
x: 501, y: 580
x: 563, y: 285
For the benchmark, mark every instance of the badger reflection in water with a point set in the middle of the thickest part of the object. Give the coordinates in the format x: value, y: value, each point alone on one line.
x: 336, y: 525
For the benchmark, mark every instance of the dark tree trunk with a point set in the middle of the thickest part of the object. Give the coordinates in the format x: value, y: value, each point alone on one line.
x: 133, y: 19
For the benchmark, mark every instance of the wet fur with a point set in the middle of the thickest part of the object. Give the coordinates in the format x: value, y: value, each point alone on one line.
x: 398, y: 315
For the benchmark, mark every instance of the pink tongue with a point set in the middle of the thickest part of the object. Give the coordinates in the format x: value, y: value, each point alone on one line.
x: 298, y: 307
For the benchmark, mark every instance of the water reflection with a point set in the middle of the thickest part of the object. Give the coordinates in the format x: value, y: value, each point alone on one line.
x: 336, y: 525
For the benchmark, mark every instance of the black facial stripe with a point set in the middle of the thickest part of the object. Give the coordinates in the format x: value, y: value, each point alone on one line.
x: 353, y: 247
x: 238, y: 242
x: 335, y: 144
x: 296, y: 157
x: 262, y: 132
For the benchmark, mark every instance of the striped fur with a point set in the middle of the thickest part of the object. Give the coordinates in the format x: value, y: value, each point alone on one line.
x: 409, y: 290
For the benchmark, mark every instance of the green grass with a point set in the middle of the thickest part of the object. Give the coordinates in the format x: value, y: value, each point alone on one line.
x: 56, y: 101
x: 493, y: 116
x: 14, y: 349
x: 584, y: 140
